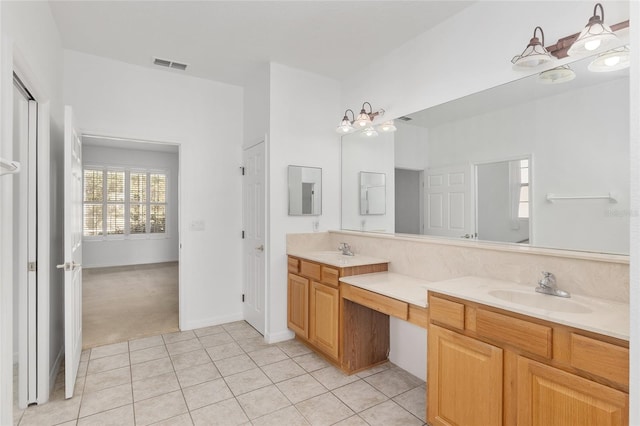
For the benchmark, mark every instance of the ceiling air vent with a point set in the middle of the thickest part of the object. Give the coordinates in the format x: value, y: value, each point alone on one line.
x: 405, y: 118
x: 169, y: 64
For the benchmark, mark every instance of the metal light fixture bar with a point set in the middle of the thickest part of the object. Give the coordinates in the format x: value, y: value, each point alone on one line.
x: 559, y: 50
x: 363, y: 121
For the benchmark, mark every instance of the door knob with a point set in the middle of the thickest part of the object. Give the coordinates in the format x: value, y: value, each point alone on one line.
x: 69, y: 266
x: 260, y: 247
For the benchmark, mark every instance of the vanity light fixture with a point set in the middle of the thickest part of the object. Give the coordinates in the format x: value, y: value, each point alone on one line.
x: 594, y: 35
x: 557, y: 75
x: 345, y: 126
x: 387, y: 127
x: 613, y: 60
x: 365, y: 118
x: 534, y: 54
x: 364, y: 121
x: 369, y: 132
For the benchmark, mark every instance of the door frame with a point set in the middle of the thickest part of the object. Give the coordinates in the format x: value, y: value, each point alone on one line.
x: 182, y: 308
x: 13, y: 60
x: 474, y: 172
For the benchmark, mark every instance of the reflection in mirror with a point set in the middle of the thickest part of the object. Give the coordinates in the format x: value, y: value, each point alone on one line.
x: 305, y: 191
x: 502, y: 201
x: 574, y: 136
x: 372, y: 193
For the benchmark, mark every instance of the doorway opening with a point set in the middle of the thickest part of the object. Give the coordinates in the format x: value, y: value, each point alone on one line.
x: 130, y: 239
x: 409, y: 201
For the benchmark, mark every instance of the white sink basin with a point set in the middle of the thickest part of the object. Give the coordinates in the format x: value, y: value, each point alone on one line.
x: 541, y: 301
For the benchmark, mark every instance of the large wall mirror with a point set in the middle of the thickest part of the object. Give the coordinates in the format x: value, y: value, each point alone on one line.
x: 524, y: 163
x: 305, y: 191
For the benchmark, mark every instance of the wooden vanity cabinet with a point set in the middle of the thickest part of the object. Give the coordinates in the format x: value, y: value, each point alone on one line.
x: 313, y: 303
x: 465, y: 380
x: 298, y: 305
x: 324, y: 320
x: 487, y: 366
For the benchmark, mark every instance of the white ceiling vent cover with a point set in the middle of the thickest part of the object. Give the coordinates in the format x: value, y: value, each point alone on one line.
x: 169, y: 64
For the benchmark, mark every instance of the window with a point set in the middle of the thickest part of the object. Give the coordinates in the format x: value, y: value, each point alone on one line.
x: 523, y: 204
x: 124, y: 202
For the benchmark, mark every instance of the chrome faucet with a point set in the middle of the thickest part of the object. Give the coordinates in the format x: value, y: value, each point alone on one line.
x: 346, y: 249
x: 548, y: 285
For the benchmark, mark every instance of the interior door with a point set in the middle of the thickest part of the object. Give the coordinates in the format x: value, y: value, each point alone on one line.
x: 25, y: 248
x: 448, y: 202
x: 72, y: 251
x: 253, y: 194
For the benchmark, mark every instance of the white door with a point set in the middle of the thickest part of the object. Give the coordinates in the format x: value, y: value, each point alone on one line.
x: 253, y: 207
x: 448, y: 202
x: 24, y: 139
x: 72, y: 251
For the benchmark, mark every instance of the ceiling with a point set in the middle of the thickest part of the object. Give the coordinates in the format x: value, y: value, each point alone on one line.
x: 225, y: 40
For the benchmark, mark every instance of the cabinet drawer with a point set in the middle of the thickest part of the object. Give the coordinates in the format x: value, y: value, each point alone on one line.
x: 377, y: 302
x: 600, y: 358
x: 529, y: 336
x: 419, y: 316
x: 330, y: 275
x: 293, y: 265
x: 446, y: 312
x: 310, y: 270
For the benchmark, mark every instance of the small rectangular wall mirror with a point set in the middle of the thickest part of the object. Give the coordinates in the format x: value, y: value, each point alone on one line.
x: 373, y: 190
x: 305, y: 191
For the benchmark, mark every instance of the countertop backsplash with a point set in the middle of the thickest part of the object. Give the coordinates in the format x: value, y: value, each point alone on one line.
x: 592, y: 275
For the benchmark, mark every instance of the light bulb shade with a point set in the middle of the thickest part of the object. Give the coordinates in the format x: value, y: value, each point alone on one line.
x: 363, y: 120
x: 594, y: 36
x: 369, y: 132
x: 345, y: 128
x: 557, y: 75
x: 534, y: 55
x: 612, y: 60
x: 387, y: 126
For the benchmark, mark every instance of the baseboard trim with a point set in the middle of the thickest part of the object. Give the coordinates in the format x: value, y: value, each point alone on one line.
x: 208, y: 322
x: 279, y: 336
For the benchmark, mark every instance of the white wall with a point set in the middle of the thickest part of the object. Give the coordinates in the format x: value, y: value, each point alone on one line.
x: 445, y: 63
x: 116, y: 99
x: 367, y: 154
x: 577, y: 151
x: 32, y: 46
x: 256, y: 105
x: 135, y: 250
x: 410, y: 146
x: 634, y: 298
x: 304, y: 110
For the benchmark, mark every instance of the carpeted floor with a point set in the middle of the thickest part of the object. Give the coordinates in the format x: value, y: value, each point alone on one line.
x: 128, y: 302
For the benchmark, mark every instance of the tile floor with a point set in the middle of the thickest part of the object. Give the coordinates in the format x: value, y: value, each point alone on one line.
x: 226, y: 375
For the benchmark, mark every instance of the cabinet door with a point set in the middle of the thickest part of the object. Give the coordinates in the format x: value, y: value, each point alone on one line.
x: 464, y: 380
x: 548, y: 396
x: 298, y: 305
x: 324, y: 304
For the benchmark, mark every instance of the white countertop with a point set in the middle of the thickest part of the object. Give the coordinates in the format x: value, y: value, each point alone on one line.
x: 587, y: 313
x: 401, y: 287
x: 337, y: 259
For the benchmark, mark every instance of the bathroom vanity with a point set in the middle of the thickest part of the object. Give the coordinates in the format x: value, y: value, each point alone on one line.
x: 567, y: 364
x: 315, y: 312
x: 498, y: 353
